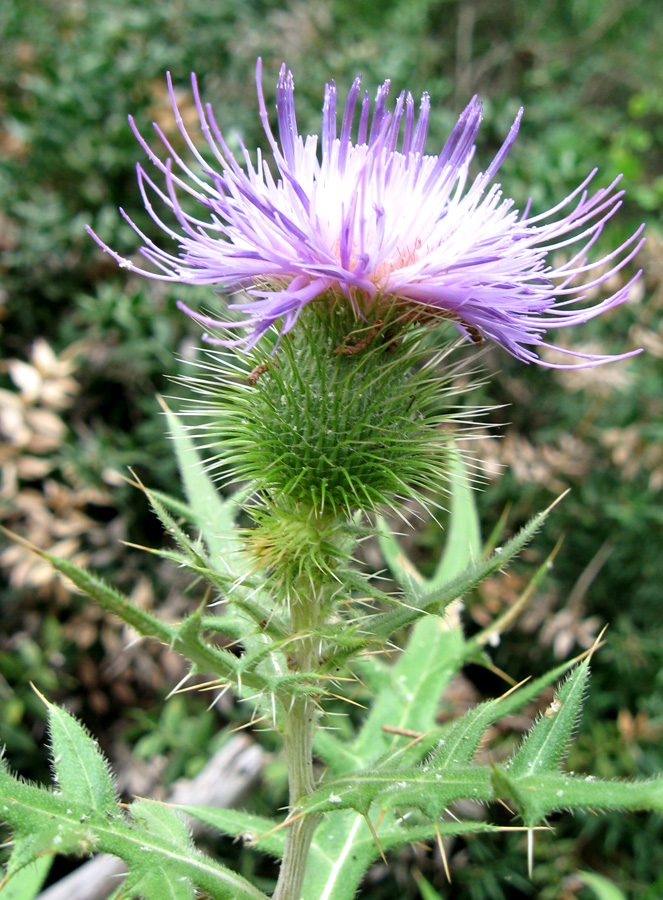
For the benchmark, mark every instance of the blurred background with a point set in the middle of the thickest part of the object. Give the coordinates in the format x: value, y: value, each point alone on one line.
x: 85, y: 348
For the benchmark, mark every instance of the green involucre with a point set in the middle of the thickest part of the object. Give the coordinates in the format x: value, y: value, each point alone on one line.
x: 344, y: 415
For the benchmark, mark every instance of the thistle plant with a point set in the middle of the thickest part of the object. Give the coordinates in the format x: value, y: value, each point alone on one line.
x: 334, y: 389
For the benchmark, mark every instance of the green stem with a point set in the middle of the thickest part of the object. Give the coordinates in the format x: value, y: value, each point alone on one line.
x: 300, y: 722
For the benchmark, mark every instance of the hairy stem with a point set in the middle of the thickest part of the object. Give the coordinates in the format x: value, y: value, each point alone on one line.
x: 300, y: 722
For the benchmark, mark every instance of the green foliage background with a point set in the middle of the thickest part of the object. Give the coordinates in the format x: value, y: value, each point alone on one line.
x: 590, y: 77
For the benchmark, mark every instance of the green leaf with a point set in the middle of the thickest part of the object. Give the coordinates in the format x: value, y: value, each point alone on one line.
x: 81, y: 771
x: 179, y: 507
x: 194, y: 553
x: 434, y: 654
x: 237, y: 823
x: 215, y: 516
x: 506, y: 619
x: 161, y: 820
x: 515, y: 699
x: 420, y: 788
x: 111, y: 599
x: 27, y: 882
x: 403, y: 571
x: 156, y: 847
x: 421, y: 601
x: 539, y: 795
x: 343, y: 848
x: 544, y: 747
x: 604, y: 889
x: 407, y: 697
x: 158, y: 884
x: 458, y: 741
x: 207, y: 657
x: 461, y: 739
x: 463, y: 536
x: 463, y: 544
x: 426, y: 889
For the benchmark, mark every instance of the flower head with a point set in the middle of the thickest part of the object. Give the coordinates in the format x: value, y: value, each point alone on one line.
x: 377, y: 221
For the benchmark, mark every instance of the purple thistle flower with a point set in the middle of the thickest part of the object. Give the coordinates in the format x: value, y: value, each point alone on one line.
x: 375, y: 223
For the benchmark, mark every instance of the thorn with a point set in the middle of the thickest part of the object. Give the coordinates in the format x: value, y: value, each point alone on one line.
x: 47, y: 703
x: 589, y: 653
x: 179, y: 684
x: 218, y: 697
x: 502, y: 674
x: 289, y: 820
x: 203, y: 686
x: 597, y: 643
x: 375, y: 838
x: 416, y: 740
x: 137, y: 640
x: 403, y: 819
x: 506, y: 806
x: 136, y: 482
x: 162, y: 403
x: 18, y: 539
x: 514, y: 688
x: 452, y: 815
x: 142, y: 547
x: 245, y: 725
x: 381, y: 817
x: 405, y: 732
x: 558, y: 500
x: 530, y: 850
x: 443, y: 853
x: 346, y: 700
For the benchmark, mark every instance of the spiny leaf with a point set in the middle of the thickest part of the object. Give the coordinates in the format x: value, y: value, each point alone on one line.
x: 403, y: 570
x: 426, y: 889
x: 27, y: 882
x: 95, y: 587
x: 111, y: 599
x: 180, y: 508
x: 206, y: 657
x: 158, y: 884
x: 463, y: 538
x: 45, y: 822
x: 161, y: 820
x: 231, y: 626
x: 527, y: 691
x: 603, y: 889
x: 539, y: 795
x: 420, y: 788
x: 502, y: 622
x: 194, y: 553
x: 81, y: 771
x: 433, y: 655
x: 459, y: 740
x: 422, y: 601
x: 462, y: 738
x: 544, y: 747
x: 343, y: 848
x: 215, y: 516
x: 237, y: 823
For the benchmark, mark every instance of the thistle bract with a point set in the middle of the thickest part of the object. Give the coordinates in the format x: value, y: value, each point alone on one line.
x: 363, y: 213
x: 347, y: 416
